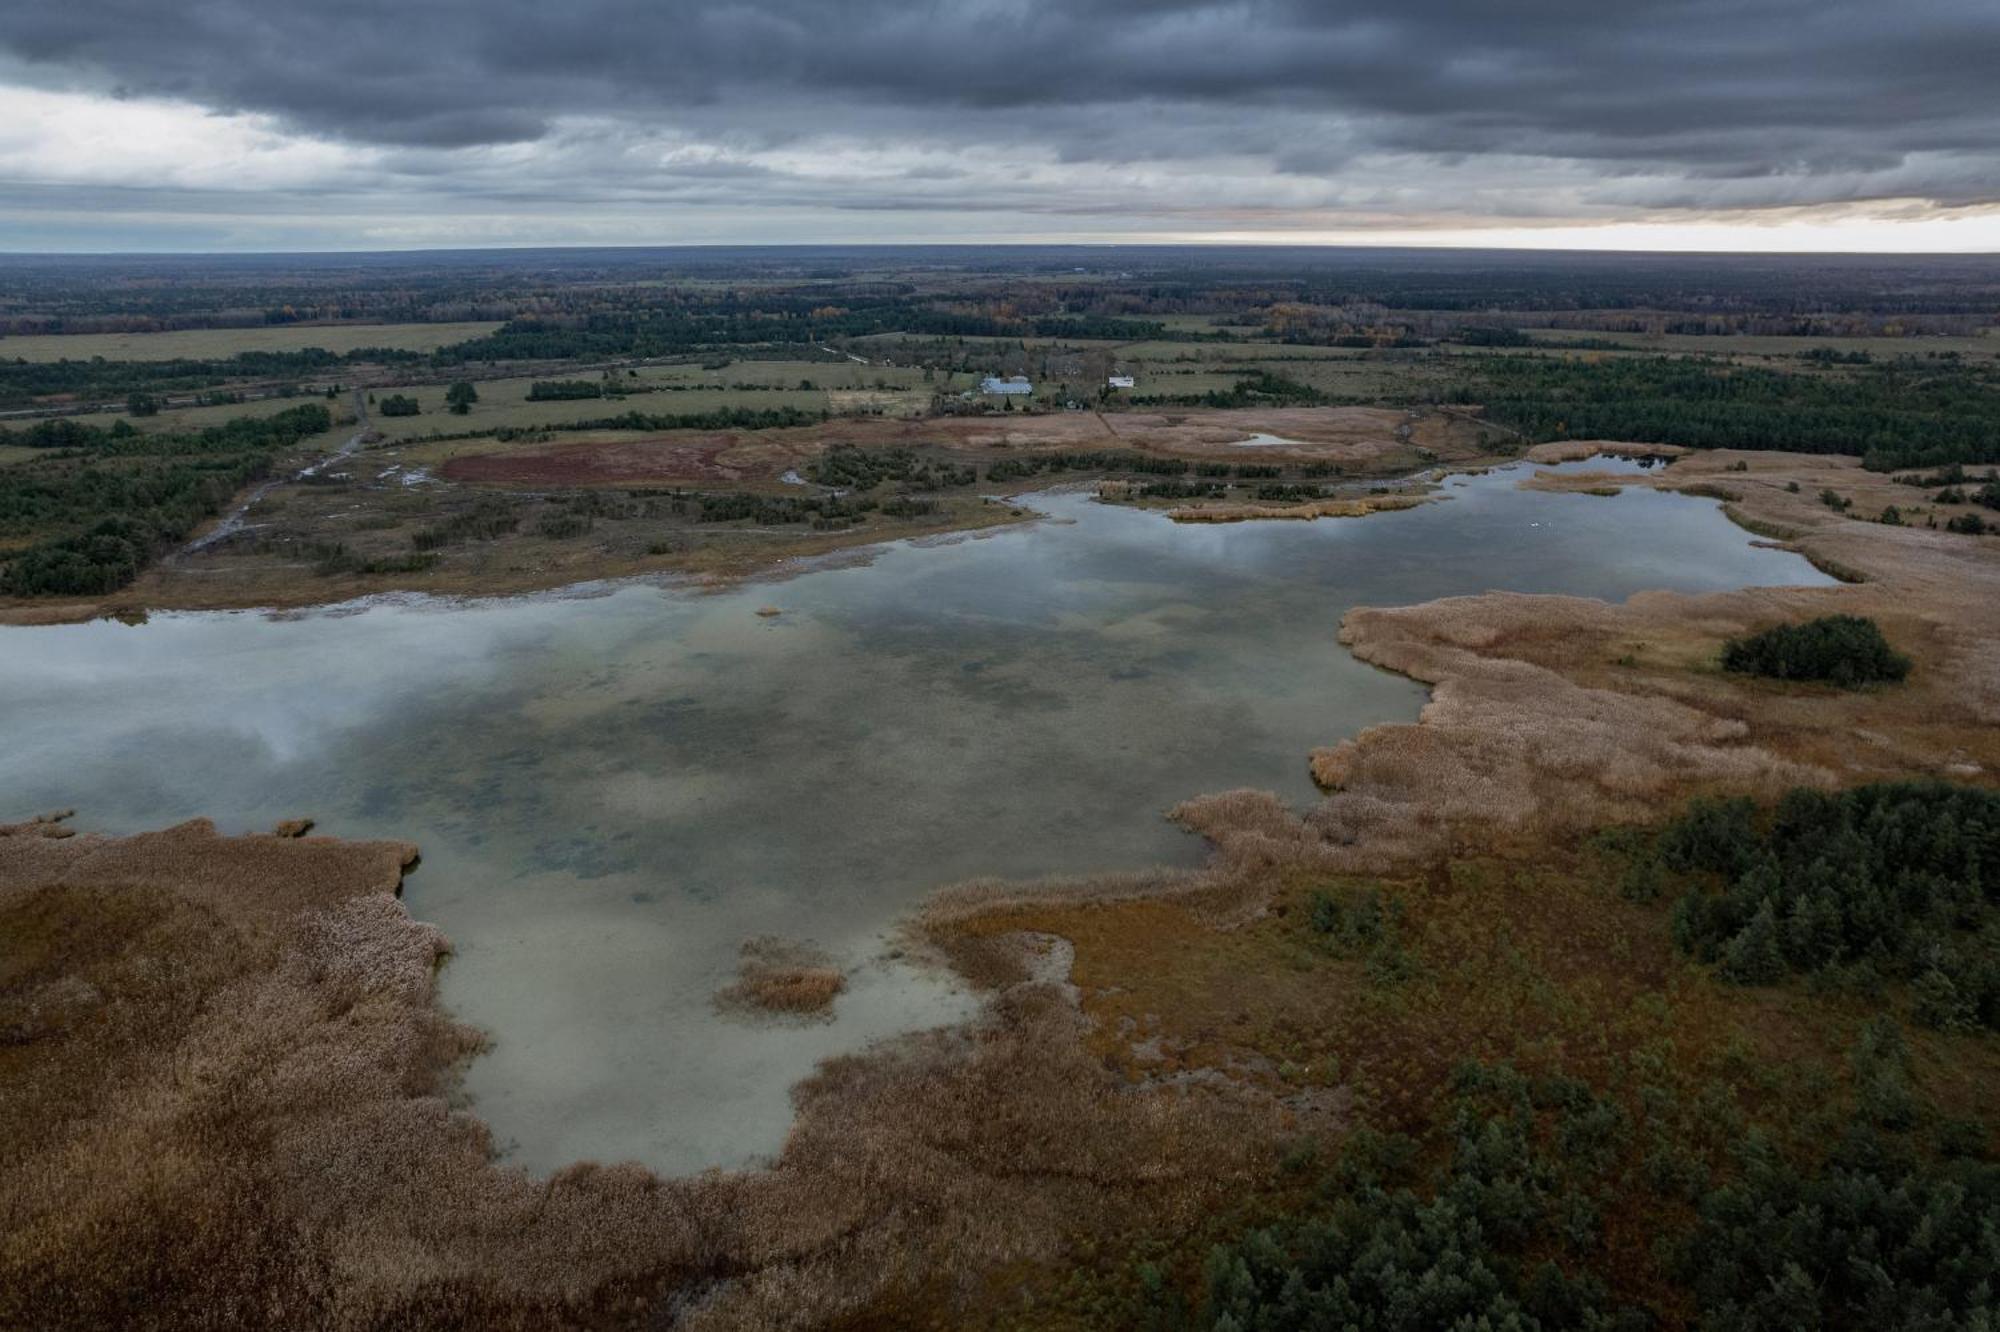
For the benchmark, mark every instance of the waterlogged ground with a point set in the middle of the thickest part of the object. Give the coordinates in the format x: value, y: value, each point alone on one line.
x: 613, y: 791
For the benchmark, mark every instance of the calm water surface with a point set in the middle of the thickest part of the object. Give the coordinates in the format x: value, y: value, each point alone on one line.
x: 613, y: 791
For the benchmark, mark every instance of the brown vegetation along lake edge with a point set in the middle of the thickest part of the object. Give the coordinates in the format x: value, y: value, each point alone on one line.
x: 286, y: 1142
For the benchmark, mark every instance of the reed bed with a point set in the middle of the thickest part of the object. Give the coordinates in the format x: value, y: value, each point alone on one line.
x: 779, y: 976
x: 225, y: 1102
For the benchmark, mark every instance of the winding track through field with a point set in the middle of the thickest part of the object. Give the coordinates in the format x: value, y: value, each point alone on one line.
x: 233, y: 521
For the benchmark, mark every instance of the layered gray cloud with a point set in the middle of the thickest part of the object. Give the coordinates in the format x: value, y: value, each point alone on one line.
x: 1359, y: 110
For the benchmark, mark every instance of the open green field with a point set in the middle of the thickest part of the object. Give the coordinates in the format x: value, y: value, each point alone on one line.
x: 504, y: 402
x: 171, y: 419
x: 13, y: 453
x: 218, y: 343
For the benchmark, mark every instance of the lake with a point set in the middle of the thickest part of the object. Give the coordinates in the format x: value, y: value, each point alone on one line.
x: 615, y: 786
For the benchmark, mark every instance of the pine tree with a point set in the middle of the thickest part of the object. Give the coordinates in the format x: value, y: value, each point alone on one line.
x: 1753, y: 957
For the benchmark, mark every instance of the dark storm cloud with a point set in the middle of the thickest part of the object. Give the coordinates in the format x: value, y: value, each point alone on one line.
x: 1726, y: 98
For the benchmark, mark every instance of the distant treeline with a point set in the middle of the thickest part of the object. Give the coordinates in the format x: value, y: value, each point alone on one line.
x: 720, y: 418
x: 21, y: 382
x: 1261, y: 389
x: 108, y: 502
x: 1896, y: 415
x: 772, y: 319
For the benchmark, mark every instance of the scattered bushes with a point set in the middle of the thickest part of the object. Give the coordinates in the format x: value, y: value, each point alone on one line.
x: 485, y: 520
x: 834, y: 510
x: 333, y: 558
x: 1366, y: 922
x: 1008, y: 469
x: 561, y: 526
x: 1847, y: 650
x: 845, y: 467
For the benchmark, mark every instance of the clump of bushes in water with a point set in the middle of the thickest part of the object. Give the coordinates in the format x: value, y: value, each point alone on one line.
x: 1895, y: 881
x: 1846, y: 650
x: 782, y: 977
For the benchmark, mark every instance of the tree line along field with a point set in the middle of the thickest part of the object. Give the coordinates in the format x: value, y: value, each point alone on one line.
x: 219, y: 343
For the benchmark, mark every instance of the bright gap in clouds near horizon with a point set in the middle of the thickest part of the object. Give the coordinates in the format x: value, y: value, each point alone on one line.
x: 1693, y: 124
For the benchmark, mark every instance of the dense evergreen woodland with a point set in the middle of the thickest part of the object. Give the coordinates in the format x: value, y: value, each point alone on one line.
x: 1517, y: 1209
x: 1892, y: 1229
x: 1885, y: 883
x: 1903, y: 414
x: 102, y: 504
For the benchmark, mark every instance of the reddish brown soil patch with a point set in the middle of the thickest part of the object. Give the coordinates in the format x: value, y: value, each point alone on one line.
x: 594, y: 463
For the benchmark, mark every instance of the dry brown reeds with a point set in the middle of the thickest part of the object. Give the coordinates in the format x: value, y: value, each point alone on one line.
x: 224, y: 1102
x: 780, y: 976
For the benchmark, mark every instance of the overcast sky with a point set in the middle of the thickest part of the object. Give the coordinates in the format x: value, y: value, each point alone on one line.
x: 374, y: 124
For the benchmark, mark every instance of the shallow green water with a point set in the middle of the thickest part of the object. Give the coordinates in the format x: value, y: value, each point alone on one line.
x: 612, y: 791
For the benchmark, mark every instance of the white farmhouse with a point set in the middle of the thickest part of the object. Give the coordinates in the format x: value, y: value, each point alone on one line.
x: 1121, y: 381
x: 1018, y: 384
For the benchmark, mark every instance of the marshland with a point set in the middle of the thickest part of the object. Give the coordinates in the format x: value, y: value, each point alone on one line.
x: 841, y: 852
x: 614, y: 786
